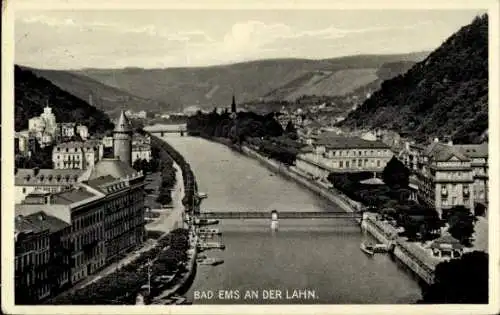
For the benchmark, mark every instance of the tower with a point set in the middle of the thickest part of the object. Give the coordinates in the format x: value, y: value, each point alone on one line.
x: 233, y: 105
x: 122, y: 139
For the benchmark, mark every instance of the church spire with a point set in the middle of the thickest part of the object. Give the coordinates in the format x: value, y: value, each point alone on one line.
x: 233, y: 105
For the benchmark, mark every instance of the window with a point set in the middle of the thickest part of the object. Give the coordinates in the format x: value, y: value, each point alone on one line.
x: 24, y: 190
x: 347, y: 164
x: 360, y: 163
x: 378, y: 163
x: 359, y: 153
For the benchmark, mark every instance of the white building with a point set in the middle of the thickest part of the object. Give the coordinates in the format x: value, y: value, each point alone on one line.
x: 77, y: 155
x: 107, y: 142
x: 82, y: 131
x: 27, y: 181
x: 333, y: 153
x: 141, y: 151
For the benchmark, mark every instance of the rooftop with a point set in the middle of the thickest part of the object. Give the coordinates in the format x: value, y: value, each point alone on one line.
x: 447, y: 240
x: 113, y: 167
x: 45, y: 221
x: 123, y: 124
x: 442, y: 152
x: 72, y: 196
x: 26, y: 176
x: 473, y: 150
x: 334, y: 141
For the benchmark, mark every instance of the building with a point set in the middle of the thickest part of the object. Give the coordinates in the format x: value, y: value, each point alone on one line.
x: 140, y: 139
x: 122, y: 139
x: 82, y: 131
x: 105, y: 211
x: 67, y: 130
x: 446, y: 179
x: 27, y: 181
x: 42, y: 265
x: 107, y: 142
x: 45, y: 124
x: 141, y: 151
x: 77, y: 154
x: 122, y: 189
x: 333, y: 153
x: 447, y: 247
x: 478, y: 153
x: 411, y: 155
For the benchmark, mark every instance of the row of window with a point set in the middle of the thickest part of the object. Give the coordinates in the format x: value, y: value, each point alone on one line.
x: 359, y: 163
x: 358, y: 153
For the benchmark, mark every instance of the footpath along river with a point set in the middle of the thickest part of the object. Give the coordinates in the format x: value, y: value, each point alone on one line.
x: 320, y: 259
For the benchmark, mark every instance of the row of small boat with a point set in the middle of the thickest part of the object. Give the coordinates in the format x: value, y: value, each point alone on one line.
x: 371, y: 249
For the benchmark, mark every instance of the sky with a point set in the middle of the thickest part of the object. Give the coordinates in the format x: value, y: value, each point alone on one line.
x: 186, y: 38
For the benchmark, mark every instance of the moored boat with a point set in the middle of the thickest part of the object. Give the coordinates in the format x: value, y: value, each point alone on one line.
x: 367, y: 248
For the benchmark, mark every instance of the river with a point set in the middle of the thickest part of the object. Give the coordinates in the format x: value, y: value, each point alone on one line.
x: 319, y: 259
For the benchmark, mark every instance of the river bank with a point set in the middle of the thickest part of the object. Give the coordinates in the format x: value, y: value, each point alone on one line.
x: 410, y: 255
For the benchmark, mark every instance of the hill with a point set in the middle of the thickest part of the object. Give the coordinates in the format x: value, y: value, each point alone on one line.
x: 105, y: 97
x: 340, y: 82
x: 214, y: 86
x: 445, y: 95
x: 33, y: 93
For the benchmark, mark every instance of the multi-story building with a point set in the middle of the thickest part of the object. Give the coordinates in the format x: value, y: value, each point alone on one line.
x: 140, y: 139
x: 411, y: 156
x: 446, y: 179
x: 106, y: 212
x: 42, y: 265
x: 478, y: 153
x: 77, y: 155
x: 141, y: 151
x: 43, y: 180
x: 333, y: 153
x: 122, y: 190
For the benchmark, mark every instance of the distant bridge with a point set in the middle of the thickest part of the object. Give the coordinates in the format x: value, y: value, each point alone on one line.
x: 162, y: 130
x: 280, y: 215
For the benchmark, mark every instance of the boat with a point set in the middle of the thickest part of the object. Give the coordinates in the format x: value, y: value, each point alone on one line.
x: 211, y: 261
x: 367, y: 248
x: 380, y: 248
x: 206, y: 221
x: 211, y: 245
x: 209, y: 231
x: 202, y: 195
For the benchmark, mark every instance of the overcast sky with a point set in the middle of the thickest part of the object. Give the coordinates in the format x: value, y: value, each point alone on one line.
x: 169, y: 38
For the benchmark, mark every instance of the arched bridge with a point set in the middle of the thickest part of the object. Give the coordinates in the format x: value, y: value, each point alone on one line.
x: 161, y: 130
x: 278, y: 215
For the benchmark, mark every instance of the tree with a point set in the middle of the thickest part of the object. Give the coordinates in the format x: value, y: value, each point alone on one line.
x: 164, y: 198
x: 290, y: 130
x: 461, y: 222
x: 395, y: 174
x: 461, y: 281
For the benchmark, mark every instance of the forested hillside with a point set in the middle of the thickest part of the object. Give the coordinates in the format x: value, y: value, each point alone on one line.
x: 33, y: 93
x: 445, y: 95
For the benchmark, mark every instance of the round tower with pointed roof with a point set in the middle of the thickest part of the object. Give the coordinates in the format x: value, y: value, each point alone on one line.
x: 122, y: 139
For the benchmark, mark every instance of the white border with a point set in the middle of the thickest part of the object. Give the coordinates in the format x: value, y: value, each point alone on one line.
x: 8, y: 8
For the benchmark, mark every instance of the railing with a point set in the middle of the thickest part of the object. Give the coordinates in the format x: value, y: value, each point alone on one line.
x: 281, y: 215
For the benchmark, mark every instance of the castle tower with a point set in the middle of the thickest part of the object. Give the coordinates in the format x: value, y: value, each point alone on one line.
x: 122, y: 139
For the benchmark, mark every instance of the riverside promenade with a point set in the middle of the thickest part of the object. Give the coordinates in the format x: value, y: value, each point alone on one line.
x: 414, y: 255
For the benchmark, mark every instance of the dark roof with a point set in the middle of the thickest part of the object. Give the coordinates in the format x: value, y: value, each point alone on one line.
x: 441, y: 152
x: 26, y: 176
x: 342, y: 142
x: 474, y: 150
x: 447, y: 240
x: 45, y: 221
x: 71, y: 196
x: 109, y: 166
x: 123, y: 124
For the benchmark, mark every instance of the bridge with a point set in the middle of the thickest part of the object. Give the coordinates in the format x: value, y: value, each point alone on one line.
x: 281, y: 215
x: 161, y: 129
